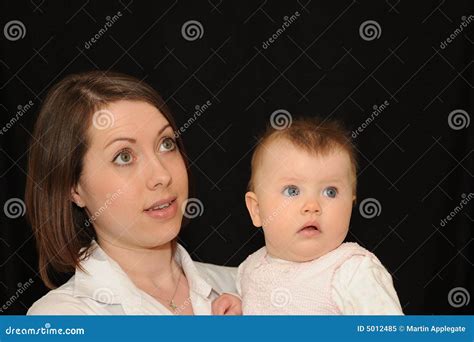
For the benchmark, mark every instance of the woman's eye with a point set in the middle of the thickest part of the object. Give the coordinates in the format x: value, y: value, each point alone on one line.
x: 168, y: 144
x: 291, y: 191
x: 123, y: 158
x: 330, y: 192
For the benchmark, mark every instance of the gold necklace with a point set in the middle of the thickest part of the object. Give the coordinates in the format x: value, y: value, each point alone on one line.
x: 171, y: 302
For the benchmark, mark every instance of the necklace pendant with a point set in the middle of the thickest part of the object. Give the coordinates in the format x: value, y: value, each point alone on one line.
x: 173, y: 305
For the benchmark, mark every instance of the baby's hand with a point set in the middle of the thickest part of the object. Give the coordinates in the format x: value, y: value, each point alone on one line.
x: 227, y: 304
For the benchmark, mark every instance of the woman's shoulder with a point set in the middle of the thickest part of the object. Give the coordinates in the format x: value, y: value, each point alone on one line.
x: 60, y: 301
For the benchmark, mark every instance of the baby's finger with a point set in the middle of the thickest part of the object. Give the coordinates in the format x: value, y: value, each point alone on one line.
x: 218, y: 307
x: 234, y: 311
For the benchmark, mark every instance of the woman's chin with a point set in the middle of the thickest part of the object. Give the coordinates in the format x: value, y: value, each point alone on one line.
x: 164, y: 238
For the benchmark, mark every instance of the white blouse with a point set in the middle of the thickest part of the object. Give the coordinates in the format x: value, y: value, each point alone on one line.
x: 107, y: 290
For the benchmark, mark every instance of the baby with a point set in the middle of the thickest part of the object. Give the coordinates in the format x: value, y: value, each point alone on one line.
x: 301, y: 192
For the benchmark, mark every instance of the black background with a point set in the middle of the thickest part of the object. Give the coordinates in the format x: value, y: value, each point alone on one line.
x: 411, y: 161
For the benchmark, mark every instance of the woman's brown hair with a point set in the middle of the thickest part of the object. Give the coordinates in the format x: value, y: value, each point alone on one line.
x: 55, y: 163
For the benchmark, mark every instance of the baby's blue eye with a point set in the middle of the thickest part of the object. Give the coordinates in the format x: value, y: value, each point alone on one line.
x: 330, y: 191
x: 291, y: 190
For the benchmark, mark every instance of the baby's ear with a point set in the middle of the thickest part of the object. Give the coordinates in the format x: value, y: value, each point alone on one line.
x: 251, y: 201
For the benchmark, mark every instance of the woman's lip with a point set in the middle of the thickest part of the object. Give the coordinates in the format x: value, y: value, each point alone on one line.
x: 161, y: 202
x: 164, y: 214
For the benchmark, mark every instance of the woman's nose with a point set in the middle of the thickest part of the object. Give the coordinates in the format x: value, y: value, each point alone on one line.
x: 311, y: 206
x: 157, y: 174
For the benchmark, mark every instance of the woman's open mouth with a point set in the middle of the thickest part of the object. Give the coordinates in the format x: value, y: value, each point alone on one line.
x: 164, y: 209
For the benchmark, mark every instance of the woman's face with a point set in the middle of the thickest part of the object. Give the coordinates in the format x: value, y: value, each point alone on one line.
x: 134, y: 179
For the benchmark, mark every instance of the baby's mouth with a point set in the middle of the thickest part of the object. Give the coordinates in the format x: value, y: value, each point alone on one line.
x: 311, y: 229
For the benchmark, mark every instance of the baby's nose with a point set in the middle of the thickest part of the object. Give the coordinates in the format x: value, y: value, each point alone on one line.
x: 311, y: 206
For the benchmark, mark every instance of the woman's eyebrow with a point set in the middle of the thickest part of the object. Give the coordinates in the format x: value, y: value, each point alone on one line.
x: 163, y: 129
x: 130, y: 140
x: 133, y: 141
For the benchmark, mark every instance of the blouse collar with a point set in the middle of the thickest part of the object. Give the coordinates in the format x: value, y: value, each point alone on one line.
x: 103, y: 280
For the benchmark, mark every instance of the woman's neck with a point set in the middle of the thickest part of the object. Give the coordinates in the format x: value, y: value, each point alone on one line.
x: 141, y: 263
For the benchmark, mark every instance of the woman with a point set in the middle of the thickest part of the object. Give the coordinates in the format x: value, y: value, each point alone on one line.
x: 106, y: 189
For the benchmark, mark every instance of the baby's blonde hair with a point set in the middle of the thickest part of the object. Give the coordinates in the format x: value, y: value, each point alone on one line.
x: 312, y: 135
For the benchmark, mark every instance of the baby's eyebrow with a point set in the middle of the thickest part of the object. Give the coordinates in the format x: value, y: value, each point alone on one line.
x: 323, y: 181
x: 333, y: 180
x: 290, y: 179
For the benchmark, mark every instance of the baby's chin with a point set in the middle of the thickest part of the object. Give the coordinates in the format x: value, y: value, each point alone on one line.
x: 309, y: 253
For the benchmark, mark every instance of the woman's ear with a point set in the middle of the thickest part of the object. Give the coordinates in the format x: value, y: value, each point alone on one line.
x: 76, y: 197
x: 251, y: 201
